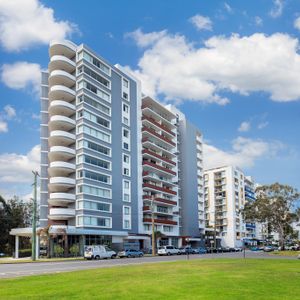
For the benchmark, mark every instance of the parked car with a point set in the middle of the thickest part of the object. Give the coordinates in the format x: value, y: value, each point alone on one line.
x: 268, y: 249
x: 201, y: 250
x: 167, y: 250
x: 98, y: 252
x: 256, y: 249
x: 2, y: 254
x: 130, y: 253
x: 181, y: 251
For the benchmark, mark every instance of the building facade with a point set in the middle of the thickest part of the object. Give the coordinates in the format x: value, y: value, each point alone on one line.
x: 224, y: 194
x: 90, y: 172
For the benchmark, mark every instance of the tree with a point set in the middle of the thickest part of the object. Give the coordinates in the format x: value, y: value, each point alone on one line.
x: 158, y: 235
x: 14, y: 213
x: 45, y: 236
x: 274, y: 205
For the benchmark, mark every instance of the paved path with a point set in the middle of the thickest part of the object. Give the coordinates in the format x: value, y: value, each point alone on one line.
x: 26, y: 269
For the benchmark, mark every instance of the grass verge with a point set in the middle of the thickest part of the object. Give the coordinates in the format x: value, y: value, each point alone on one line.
x: 195, y: 279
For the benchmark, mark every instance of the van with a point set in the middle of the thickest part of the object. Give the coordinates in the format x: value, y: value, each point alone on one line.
x: 98, y: 252
x: 167, y: 250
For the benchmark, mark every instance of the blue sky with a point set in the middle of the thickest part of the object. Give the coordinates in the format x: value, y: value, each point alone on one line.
x: 231, y: 66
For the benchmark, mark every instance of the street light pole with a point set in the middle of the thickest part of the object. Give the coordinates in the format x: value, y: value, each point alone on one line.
x: 153, y: 231
x: 36, y: 174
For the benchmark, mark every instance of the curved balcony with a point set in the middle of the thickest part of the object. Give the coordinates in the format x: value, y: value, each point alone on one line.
x: 61, y: 198
x: 61, y: 213
x: 61, y: 184
x: 60, y: 107
x: 60, y: 153
x: 66, y: 48
x: 58, y: 122
x: 61, y: 77
x: 61, y: 168
x: 61, y: 138
x: 60, y: 62
x: 61, y: 92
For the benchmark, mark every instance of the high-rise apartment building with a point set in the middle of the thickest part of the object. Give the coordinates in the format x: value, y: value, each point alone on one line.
x: 90, y: 146
x: 224, y: 192
x: 250, y: 197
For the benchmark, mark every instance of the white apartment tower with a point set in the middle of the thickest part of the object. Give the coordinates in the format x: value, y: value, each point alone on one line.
x: 224, y: 192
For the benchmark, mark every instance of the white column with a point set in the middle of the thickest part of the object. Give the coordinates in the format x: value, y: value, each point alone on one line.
x: 17, y: 246
x: 37, y: 247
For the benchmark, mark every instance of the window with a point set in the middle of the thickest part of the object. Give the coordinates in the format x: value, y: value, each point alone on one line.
x: 126, y: 210
x: 126, y: 171
x: 100, y: 206
x: 94, y: 176
x: 125, y: 146
x: 95, y: 147
x: 125, y: 83
x: 94, y: 75
x: 126, y: 184
x: 93, y: 132
x: 125, y: 95
x: 125, y: 108
x: 94, y: 161
x: 96, y: 119
x: 91, y: 190
x: 126, y: 197
x: 104, y: 109
x: 95, y: 90
x: 126, y: 159
x: 126, y: 133
x: 96, y: 62
x: 94, y: 221
x: 125, y: 121
x: 126, y: 224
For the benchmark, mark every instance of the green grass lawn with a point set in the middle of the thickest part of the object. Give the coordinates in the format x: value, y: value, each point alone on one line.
x: 285, y: 253
x: 195, y: 279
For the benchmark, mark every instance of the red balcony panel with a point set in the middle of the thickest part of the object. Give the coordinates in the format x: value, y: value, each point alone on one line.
x: 147, y: 163
x: 147, y: 151
x: 162, y: 200
x: 165, y: 128
x: 160, y: 221
x: 158, y: 188
x: 146, y: 208
x: 152, y: 131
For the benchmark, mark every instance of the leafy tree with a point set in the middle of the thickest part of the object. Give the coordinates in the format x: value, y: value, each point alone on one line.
x: 274, y: 205
x: 14, y: 213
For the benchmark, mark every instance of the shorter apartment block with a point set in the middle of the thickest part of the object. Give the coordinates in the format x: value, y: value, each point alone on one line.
x: 224, y: 194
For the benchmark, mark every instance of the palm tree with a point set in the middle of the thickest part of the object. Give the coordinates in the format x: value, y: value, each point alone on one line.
x: 45, y: 236
x: 158, y: 235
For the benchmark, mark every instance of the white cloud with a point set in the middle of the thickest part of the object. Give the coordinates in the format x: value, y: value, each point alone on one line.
x: 228, y: 8
x: 16, y: 168
x: 258, y: 21
x: 262, y: 125
x: 3, y: 126
x: 25, y: 23
x: 9, y: 111
x: 145, y: 39
x: 21, y: 75
x: 244, y: 153
x: 201, y: 22
x: 245, y: 126
x: 276, y: 11
x: 297, y: 23
x: 178, y: 70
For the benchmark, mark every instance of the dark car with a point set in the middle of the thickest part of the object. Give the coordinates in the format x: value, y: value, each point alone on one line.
x: 130, y: 253
x: 201, y: 250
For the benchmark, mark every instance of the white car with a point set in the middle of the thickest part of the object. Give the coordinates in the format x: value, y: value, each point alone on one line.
x: 98, y: 252
x: 167, y: 250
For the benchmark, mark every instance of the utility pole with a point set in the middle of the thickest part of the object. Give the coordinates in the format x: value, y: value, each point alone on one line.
x: 215, y: 229
x: 153, y: 230
x: 36, y: 174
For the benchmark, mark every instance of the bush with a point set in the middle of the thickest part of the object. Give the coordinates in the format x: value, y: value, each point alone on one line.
x: 58, y: 250
x: 74, y: 250
x: 24, y: 253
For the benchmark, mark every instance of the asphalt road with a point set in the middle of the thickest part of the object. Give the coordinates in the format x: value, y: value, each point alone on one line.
x: 27, y: 269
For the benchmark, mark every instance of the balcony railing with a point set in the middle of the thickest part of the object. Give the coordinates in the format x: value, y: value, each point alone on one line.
x: 153, y: 132
x: 159, y: 188
x: 162, y: 200
x: 160, y: 221
x: 151, y: 120
x: 147, y: 163
x: 147, y: 151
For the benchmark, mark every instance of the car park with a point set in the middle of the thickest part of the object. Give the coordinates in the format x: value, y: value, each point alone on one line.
x: 130, y: 253
x: 98, y: 252
x: 167, y: 250
x: 201, y: 250
x: 268, y: 249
